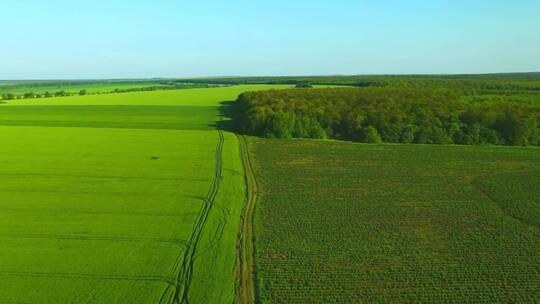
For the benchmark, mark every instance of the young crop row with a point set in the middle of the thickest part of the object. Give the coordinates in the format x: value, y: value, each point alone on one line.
x: 339, y: 222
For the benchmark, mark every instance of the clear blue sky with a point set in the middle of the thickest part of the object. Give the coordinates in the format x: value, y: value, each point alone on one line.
x: 165, y: 38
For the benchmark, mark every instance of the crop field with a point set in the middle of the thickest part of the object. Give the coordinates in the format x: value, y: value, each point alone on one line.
x: 340, y: 222
x: 123, y: 198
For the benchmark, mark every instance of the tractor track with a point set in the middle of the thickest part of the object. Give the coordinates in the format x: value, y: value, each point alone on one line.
x: 183, y: 267
x: 178, y: 242
x: 88, y: 276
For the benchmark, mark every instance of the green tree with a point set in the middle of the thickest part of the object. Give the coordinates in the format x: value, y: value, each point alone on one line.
x: 282, y: 125
x: 9, y: 96
x: 29, y: 95
x: 304, y: 85
x: 371, y: 135
x: 455, y: 132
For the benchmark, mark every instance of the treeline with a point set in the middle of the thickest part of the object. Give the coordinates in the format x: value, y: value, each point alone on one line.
x: 396, y: 115
x: 39, y: 85
x: 30, y: 95
x: 167, y: 86
x: 469, y: 84
x: 62, y: 93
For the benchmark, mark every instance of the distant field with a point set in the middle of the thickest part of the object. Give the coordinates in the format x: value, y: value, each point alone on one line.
x: 189, y: 97
x: 123, y: 198
x: 90, y: 87
x: 19, y: 88
x: 340, y: 222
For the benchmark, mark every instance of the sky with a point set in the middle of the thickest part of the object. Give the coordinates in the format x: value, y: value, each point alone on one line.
x: 60, y: 39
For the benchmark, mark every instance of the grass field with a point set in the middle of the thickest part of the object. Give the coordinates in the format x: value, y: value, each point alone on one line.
x: 340, y: 222
x: 124, y: 198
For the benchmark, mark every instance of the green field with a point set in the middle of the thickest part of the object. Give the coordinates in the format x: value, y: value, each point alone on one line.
x: 138, y: 198
x: 72, y: 87
x: 340, y: 222
x: 124, y: 198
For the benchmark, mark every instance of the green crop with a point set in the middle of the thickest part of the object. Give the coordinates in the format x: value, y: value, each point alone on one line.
x: 342, y: 222
x: 123, y: 198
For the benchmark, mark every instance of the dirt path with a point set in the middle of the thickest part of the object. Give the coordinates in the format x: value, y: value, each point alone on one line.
x: 246, y: 252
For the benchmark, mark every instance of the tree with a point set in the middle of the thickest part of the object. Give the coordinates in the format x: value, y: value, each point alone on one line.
x: 406, y: 115
x: 370, y: 135
x: 516, y: 129
x: 304, y: 85
x: 318, y: 133
x: 455, y: 132
x: 29, y: 95
x: 489, y: 136
x: 472, y: 134
x: 409, y: 133
x: 8, y: 96
x: 282, y: 125
x: 82, y: 92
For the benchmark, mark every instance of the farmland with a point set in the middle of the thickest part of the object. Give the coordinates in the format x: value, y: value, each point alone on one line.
x: 267, y: 152
x: 13, y: 90
x: 73, y: 87
x: 122, y: 198
x: 340, y: 222
x: 139, y: 197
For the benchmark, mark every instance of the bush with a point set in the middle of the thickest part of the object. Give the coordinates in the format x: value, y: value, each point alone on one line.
x: 370, y: 135
x: 304, y: 86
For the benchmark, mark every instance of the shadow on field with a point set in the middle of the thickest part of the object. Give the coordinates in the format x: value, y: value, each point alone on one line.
x: 225, y: 122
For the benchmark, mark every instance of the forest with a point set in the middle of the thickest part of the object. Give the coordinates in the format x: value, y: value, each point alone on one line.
x: 394, y: 114
x: 470, y: 83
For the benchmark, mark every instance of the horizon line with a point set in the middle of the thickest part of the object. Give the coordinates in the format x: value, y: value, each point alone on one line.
x: 271, y: 76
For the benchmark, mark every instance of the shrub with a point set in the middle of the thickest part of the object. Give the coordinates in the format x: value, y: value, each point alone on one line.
x: 370, y: 135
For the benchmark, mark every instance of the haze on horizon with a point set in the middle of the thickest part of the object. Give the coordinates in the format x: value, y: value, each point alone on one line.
x: 60, y: 39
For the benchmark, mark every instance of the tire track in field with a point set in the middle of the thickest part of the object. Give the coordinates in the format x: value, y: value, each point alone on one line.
x: 178, y: 242
x: 162, y: 279
x: 121, y: 177
x: 476, y: 184
x: 184, y: 264
x: 71, y: 212
x: 246, y: 293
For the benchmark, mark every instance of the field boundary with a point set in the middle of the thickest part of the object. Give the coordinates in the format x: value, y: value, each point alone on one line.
x: 246, y: 237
